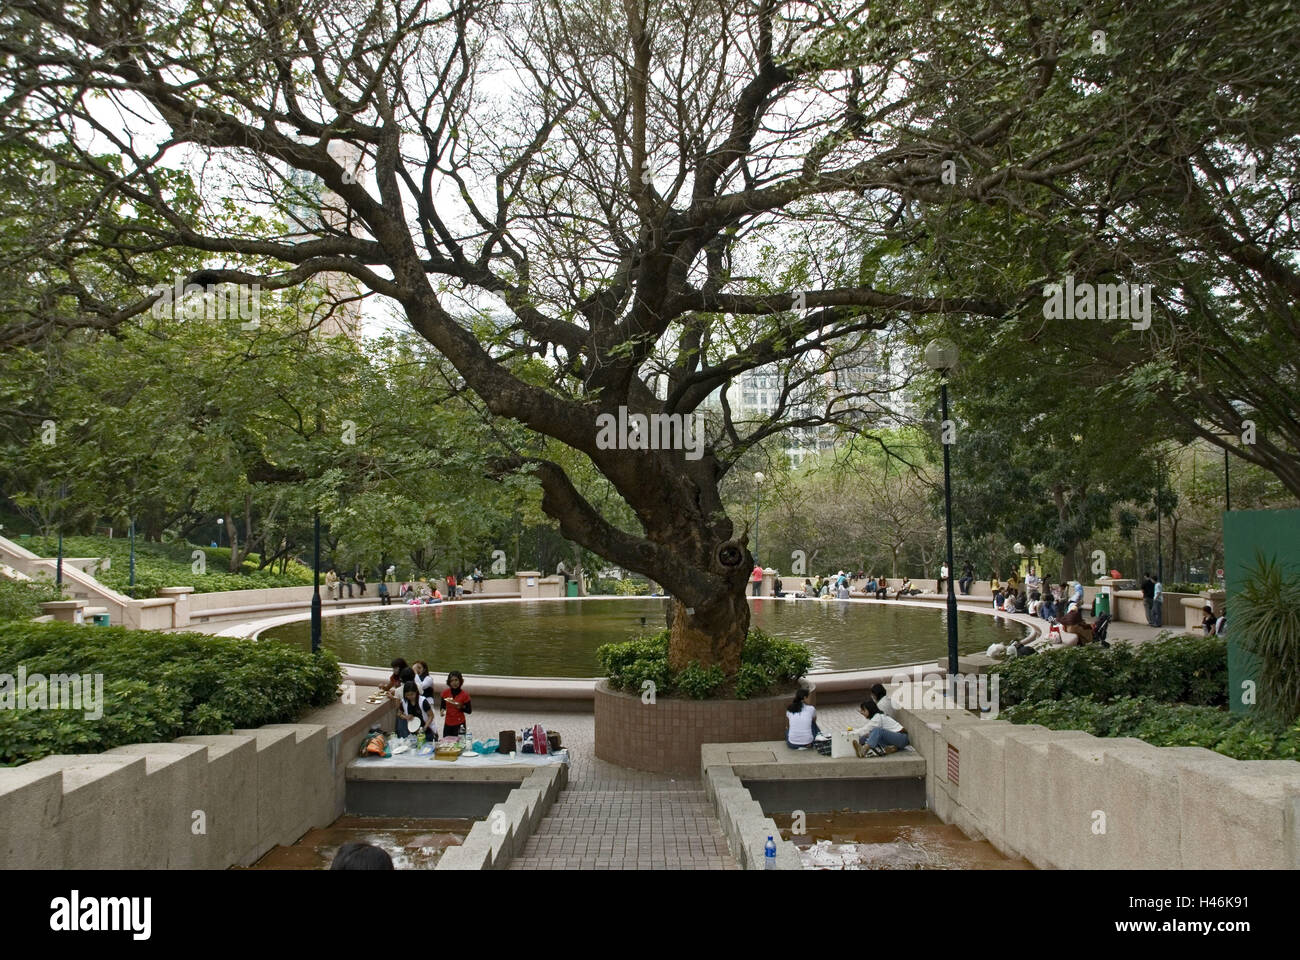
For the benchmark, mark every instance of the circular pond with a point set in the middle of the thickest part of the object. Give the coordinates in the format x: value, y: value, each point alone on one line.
x: 558, y: 638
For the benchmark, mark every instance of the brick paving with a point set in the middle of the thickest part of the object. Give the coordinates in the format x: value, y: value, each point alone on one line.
x: 612, y: 818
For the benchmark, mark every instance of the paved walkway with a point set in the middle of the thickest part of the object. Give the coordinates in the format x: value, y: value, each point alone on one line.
x: 612, y: 818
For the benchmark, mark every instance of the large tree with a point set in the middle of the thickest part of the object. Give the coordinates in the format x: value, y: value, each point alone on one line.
x: 633, y: 187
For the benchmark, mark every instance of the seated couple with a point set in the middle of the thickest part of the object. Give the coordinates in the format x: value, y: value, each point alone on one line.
x: 881, y: 734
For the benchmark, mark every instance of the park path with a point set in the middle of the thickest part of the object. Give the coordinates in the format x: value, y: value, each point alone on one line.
x: 613, y: 818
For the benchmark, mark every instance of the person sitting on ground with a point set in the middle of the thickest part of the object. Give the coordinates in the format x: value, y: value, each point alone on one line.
x: 1013, y: 582
x: 776, y: 586
x: 398, y: 666
x: 332, y: 583
x: 1032, y: 608
x: 881, y: 588
x: 999, y: 598
x: 384, y: 598
x: 801, y: 728
x: 436, y: 597
x: 905, y: 589
x: 361, y: 582
x: 1073, y: 625
x: 1047, y: 609
x: 881, y: 733
x: 883, y: 700
x: 1021, y: 603
x: 994, y: 585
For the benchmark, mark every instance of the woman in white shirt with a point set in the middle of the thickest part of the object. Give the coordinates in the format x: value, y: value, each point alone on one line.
x: 880, y: 732
x: 801, y: 723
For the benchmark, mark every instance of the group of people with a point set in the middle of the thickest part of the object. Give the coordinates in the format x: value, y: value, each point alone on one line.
x: 411, y: 592
x: 881, y: 733
x: 415, y: 686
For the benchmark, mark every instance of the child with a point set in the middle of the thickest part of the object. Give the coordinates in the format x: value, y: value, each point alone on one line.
x: 398, y: 666
x: 423, y: 679
x: 454, y: 705
x: 880, y: 733
x: 412, y: 706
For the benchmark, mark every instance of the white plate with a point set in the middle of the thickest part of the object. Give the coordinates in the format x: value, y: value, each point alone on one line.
x: 468, y: 753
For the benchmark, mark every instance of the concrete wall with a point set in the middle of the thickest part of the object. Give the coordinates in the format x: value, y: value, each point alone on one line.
x: 204, y: 802
x: 1066, y: 799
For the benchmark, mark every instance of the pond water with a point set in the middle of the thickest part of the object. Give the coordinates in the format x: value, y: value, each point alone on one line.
x: 889, y: 840
x: 413, y: 843
x: 558, y: 638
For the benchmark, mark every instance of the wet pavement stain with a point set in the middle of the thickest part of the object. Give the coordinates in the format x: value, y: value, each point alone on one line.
x: 890, y: 840
x: 414, y: 844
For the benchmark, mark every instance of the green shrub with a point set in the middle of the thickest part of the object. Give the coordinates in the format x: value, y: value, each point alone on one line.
x: 700, y: 683
x: 1171, y: 669
x: 1266, y: 622
x: 767, y: 664
x: 170, y: 565
x: 1165, y: 725
x: 22, y: 599
x: 157, y: 686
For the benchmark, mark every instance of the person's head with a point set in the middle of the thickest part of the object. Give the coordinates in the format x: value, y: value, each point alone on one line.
x: 410, y: 692
x: 421, y: 669
x: 1064, y: 586
x: 870, y: 708
x: 407, y: 675
x: 398, y: 665
x: 455, y: 680
x: 361, y: 856
x: 878, y: 692
x: 796, y: 705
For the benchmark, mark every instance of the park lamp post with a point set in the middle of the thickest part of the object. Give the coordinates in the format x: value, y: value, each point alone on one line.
x: 758, y: 484
x: 58, y: 564
x: 315, y: 596
x: 941, y: 356
x: 221, y: 525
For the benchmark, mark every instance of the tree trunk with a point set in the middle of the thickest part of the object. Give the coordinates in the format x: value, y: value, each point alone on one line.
x: 712, y: 634
x: 1067, y: 562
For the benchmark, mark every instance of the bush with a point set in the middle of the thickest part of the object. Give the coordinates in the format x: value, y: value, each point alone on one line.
x: 1266, y: 622
x: 170, y: 565
x: 1166, y: 725
x: 700, y: 683
x: 22, y: 599
x: 157, y: 686
x: 1170, y: 669
x: 767, y: 664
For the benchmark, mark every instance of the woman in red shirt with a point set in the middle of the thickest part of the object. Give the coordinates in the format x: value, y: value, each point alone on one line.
x: 454, y: 705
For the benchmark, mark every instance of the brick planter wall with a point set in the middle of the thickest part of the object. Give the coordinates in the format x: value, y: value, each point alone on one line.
x: 665, y: 736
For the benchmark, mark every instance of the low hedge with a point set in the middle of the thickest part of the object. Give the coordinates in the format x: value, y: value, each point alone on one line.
x: 767, y: 665
x: 22, y: 599
x: 169, y: 565
x: 1165, y: 725
x: 1173, y: 668
x: 157, y: 686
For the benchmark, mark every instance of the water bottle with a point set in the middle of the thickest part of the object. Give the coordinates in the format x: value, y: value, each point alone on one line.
x: 769, y: 855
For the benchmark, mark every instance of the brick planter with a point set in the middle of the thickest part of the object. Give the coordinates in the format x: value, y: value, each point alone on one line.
x: 666, y: 736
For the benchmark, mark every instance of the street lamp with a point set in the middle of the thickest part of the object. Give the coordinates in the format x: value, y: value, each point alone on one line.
x: 1019, y: 548
x: 220, y: 526
x: 58, y: 565
x: 941, y: 356
x: 315, y: 596
x: 758, y: 483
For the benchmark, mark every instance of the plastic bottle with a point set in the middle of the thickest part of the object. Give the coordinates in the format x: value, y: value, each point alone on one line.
x: 769, y: 854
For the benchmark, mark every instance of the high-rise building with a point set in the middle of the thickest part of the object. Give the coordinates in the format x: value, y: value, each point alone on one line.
x: 332, y: 301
